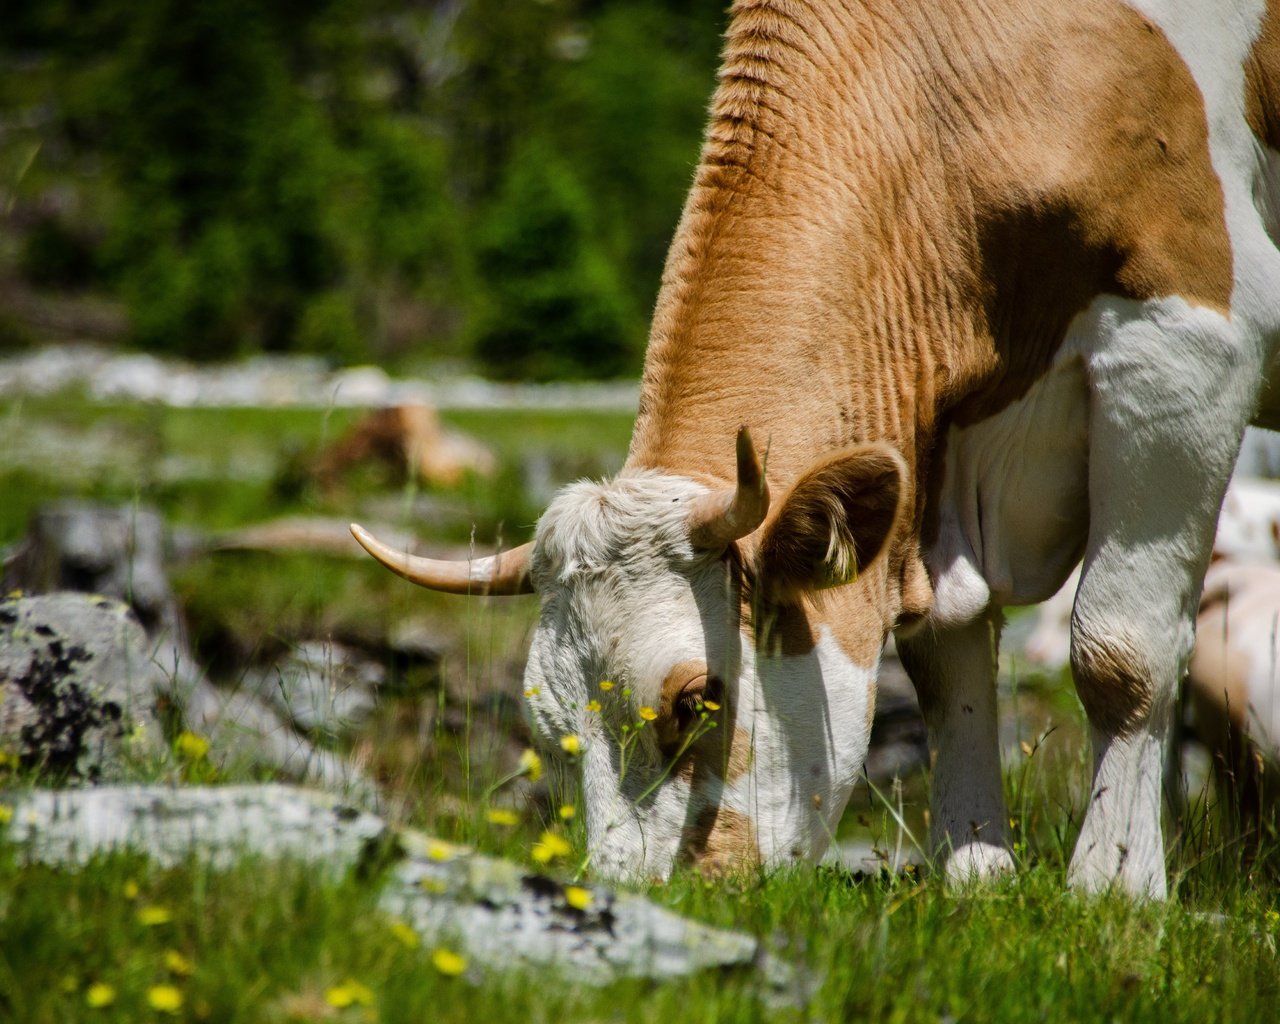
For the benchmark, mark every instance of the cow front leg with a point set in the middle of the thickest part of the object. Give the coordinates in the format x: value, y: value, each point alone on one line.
x: 1170, y: 391
x: 954, y: 672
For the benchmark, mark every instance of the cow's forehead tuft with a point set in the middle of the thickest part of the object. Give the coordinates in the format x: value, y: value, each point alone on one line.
x: 591, y: 525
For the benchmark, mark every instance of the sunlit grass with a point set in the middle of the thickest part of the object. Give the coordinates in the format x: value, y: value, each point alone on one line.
x: 124, y: 941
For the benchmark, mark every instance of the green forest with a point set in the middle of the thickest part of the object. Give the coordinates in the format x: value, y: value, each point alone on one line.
x: 483, y: 183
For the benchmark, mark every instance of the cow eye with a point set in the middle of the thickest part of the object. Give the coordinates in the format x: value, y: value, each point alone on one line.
x: 690, y: 705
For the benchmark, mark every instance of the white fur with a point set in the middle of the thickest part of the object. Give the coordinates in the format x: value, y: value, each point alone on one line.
x: 625, y: 598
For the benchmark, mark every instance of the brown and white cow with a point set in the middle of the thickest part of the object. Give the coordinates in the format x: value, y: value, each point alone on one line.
x: 993, y: 286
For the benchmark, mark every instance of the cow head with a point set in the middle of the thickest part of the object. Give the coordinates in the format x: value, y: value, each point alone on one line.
x: 686, y: 659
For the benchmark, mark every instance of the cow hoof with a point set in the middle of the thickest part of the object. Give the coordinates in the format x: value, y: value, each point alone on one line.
x: 976, y: 863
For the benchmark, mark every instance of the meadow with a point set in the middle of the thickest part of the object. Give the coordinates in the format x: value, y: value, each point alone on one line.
x: 124, y: 941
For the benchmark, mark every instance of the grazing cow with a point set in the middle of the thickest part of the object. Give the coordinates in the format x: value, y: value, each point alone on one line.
x: 993, y: 286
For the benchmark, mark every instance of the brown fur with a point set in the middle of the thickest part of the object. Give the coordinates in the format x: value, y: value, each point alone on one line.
x: 1112, y: 679
x: 721, y: 841
x: 899, y: 208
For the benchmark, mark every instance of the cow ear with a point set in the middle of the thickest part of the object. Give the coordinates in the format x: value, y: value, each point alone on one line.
x: 833, y: 522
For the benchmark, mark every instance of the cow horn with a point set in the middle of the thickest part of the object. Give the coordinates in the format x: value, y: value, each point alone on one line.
x: 505, y: 573
x: 720, y: 518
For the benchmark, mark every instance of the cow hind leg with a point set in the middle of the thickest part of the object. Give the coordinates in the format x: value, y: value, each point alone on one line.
x: 954, y: 672
x: 1171, y: 388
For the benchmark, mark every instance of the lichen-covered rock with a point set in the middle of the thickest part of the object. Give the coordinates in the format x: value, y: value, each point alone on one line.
x: 323, y: 688
x: 505, y: 916
x: 215, y: 823
x: 77, y: 686
x: 500, y: 914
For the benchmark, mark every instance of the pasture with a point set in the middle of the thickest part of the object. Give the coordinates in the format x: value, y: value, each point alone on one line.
x: 122, y: 941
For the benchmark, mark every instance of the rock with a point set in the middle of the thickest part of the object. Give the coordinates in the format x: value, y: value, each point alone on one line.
x: 244, y: 732
x: 863, y: 858
x: 500, y: 915
x: 217, y: 823
x: 320, y: 687
x: 77, y: 686
x: 505, y: 916
x: 116, y: 551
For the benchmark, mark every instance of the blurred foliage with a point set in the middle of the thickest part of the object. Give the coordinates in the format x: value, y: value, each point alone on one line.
x: 363, y: 179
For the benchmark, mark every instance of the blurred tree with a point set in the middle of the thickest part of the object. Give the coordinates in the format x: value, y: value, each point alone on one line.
x: 553, y: 305
x: 359, y: 178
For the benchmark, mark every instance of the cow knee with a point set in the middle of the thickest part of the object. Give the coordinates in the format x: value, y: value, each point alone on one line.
x: 1122, y: 670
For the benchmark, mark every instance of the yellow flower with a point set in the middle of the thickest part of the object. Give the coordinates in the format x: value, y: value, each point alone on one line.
x: 440, y: 852
x: 551, y: 846
x: 567, y: 811
x: 711, y: 705
x: 647, y: 713
x: 405, y: 934
x: 593, y: 705
x: 531, y: 765
x: 571, y: 745
x: 100, y: 994
x: 448, y: 962
x: 149, y: 917
x: 577, y: 897
x: 533, y: 691
x: 191, y: 745
x: 164, y: 998
x: 606, y: 686
x: 6, y: 814
x: 177, y: 963
x: 347, y: 994
x: 502, y: 816
x: 130, y: 889
x: 1273, y: 918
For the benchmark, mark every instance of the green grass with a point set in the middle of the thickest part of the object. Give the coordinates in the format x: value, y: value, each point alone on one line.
x: 267, y: 942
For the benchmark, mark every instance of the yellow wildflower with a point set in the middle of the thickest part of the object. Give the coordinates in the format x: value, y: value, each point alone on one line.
x: 164, y: 998
x: 177, y: 963
x: 531, y: 765
x: 502, y: 816
x: 577, y: 897
x: 149, y: 917
x: 440, y: 851
x: 130, y: 889
x: 571, y: 745
x: 606, y: 686
x: 567, y: 811
x: 711, y: 705
x: 405, y: 934
x: 100, y: 994
x: 551, y: 846
x: 191, y: 745
x: 593, y: 705
x: 533, y: 691
x: 448, y: 962
x: 347, y: 994
x: 647, y: 713
x: 6, y: 814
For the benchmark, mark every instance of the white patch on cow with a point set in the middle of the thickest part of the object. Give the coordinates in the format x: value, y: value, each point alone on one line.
x: 809, y: 720
x: 625, y: 598
x: 1012, y: 505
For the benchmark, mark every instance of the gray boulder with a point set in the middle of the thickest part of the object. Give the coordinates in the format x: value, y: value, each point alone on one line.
x: 77, y: 686
x: 499, y: 914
